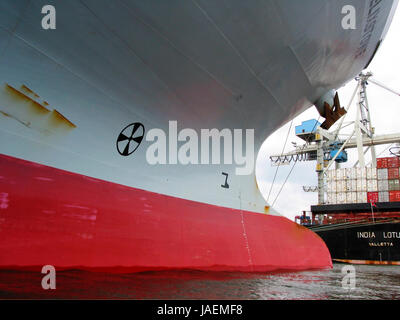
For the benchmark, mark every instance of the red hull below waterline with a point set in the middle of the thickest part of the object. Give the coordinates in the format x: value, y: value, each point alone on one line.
x: 52, y: 217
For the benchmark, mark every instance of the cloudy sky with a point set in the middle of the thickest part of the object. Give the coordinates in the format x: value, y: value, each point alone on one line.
x: 385, y: 117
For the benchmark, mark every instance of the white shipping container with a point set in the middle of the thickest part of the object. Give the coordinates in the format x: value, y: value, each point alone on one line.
x: 349, y: 199
x: 361, y: 173
x: 334, y: 186
x: 338, y: 197
x: 344, y: 173
x: 371, y: 173
x: 383, y: 196
x: 372, y: 185
x: 328, y: 187
x: 348, y: 173
x: 353, y: 197
x: 361, y: 185
x: 374, y: 174
x: 369, y: 185
x: 333, y: 198
x: 328, y: 198
x: 341, y: 186
x: 382, y: 174
x: 368, y: 173
x: 353, y: 173
x: 353, y: 185
x: 341, y: 197
x: 339, y: 174
x: 338, y: 186
x: 349, y: 185
x: 383, y: 185
x: 361, y: 197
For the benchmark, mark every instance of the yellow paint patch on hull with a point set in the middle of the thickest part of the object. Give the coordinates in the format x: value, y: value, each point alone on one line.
x: 373, y: 262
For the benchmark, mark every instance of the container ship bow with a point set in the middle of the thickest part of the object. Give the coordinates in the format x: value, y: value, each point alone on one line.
x: 87, y: 89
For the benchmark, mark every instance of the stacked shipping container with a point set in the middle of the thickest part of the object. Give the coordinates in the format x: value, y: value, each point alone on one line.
x: 356, y: 185
x: 388, y: 179
x: 350, y: 185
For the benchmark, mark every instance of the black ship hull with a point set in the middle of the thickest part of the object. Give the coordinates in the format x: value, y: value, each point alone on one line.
x: 363, y: 243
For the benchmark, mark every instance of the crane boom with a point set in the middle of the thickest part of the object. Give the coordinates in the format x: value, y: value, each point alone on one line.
x: 383, y: 86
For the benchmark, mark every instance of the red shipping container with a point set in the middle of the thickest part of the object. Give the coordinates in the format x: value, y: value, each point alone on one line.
x: 394, y: 196
x: 393, y: 162
x: 381, y: 163
x: 372, y: 196
x: 393, y: 173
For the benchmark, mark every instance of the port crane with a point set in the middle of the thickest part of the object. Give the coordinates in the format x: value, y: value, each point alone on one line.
x: 326, y: 148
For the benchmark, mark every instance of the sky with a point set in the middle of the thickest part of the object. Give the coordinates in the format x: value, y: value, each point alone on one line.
x: 385, y: 117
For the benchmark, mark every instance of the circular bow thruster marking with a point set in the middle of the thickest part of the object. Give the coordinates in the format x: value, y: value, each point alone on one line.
x: 130, y: 138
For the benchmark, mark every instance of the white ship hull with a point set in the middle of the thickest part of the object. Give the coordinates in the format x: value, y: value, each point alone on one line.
x: 67, y: 93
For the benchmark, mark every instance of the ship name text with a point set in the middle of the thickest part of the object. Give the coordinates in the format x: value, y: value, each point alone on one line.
x: 381, y: 244
x: 385, y: 235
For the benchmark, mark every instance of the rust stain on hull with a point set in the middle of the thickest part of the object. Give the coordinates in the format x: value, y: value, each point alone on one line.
x: 57, y: 119
x: 23, y: 105
x: 21, y: 96
x: 29, y: 91
x: 5, y: 113
x: 26, y: 124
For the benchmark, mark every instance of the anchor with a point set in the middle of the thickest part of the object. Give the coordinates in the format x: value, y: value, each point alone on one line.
x: 332, y: 113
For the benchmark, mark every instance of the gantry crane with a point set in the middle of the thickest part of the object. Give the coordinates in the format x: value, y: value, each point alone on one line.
x: 326, y: 148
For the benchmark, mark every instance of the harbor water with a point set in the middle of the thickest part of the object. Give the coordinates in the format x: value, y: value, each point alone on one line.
x: 363, y: 282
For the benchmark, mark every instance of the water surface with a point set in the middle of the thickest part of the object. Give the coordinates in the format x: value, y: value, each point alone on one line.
x: 372, y: 282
